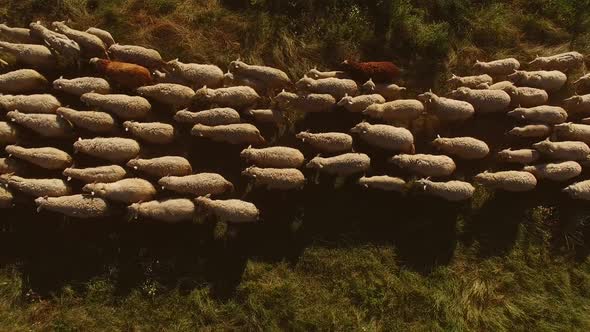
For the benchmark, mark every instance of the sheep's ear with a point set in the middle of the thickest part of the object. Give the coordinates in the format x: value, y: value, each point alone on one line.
x: 208, y: 195
x: 430, y: 90
x: 438, y: 136
x: 315, y: 67
x: 283, y: 90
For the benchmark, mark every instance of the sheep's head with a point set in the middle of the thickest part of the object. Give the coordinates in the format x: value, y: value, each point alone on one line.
x: 361, y: 128
x: 517, y: 112
x: 461, y: 92
x: 478, y: 65
x: 516, y: 76
x: 574, y: 100
x: 563, y: 128
x: 454, y: 79
x: 133, y: 163
x: 247, y: 153
x: 504, y: 155
x: 237, y: 65
x: 202, y: 96
x: 173, y: 65
x: 284, y: 98
x: 346, y: 100
x: 58, y: 83
x: 59, y: 26
x: 305, y: 83
x: 315, y: 163
x: 249, y: 172
x: 303, y: 135
x: 369, y: 86
x: 202, y: 204
x: 543, y: 146
x: 94, y: 61
x: 427, y: 97
x: 98, y: 189
x: 571, y: 191
x: 314, y: 73
x: 396, y: 160
x: 439, y: 142
x: 537, y: 62
x: 423, y: 184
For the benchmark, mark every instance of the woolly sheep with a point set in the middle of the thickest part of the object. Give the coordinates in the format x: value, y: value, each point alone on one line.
x: 566, y: 150
x: 562, y: 171
x: 168, y: 93
x: 197, y: 184
x: 307, y: 103
x: 462, y: 147
x: 527, y: 97
x: 360, y: 103
x: 236, y: 97
x: 36, y: 187
x: 578, y: 104
x: 142, y: 56
x: 336, y: 87
x: 514, y: 181
x: 17, y: 35
x: 327, y: 142
x: 151, y: 132
x: 385, y: 136
x: 81, y: 85
x: 6, y: 198
x: 397, y: 110
x: 231, y: 79
x: 211, y: 117
x: 531, y: 131
x: 273, y: 78
x: 389, y: 91
x: 425, y: 164
x: 452, y: 191
x: 579, y: 190
x: 266, y: 115
x: 276, y: 156
x: 36, y: 103
x: 341, y: 165
x: 198, y: 75
x: 229, y: 210
x: 97, y: 122
x: 572, y: 132
x: 8, y: 133
x: 162, y: 166
x: 445, y: 108
x: 68, y: 51
x: 276, y: 178
x: 22, y: 81
x: 540, y: 114
x: 115, y: 149
x: 238, y: 133
x: 497, y: 67
x: 123, y: 106
x: 550, y: 81
x: 521, y: 156
x: 169, y: 210
x: 90, y: 45
x: 483, y: 101
x: 46, y: 125
x: 48, y: 158
x: 383, y: 182
x: 36, y: 56
x: 105, y: 174
x: 104, y: 35
x: 127, y: 75
x: 76, y: 206
x: 563, y: 61
x: 316, y: 74
x: 585, y: 120
x: 583, y: 81
x: 132, y: 190
x: 470, y: 81
x: 10, y: 165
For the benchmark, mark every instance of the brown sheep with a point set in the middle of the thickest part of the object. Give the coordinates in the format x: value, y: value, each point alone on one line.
x: 127, y: 75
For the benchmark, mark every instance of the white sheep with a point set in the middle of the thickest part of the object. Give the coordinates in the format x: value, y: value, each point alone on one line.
x: 452, y: 191
x: 271, y: 77
x: 561, y: 171
x: 389, y: 91
x: 104, y: 35
x: 238, y: 133
x: 210, y: 117
x: 531, y: 131
x: 76, y: 206
x: 142, y: 56
x: 316, y: 74
x: 68, y: 51
x: 6, y: 198
x: 499, y: 67
x: 48, y: 158
x: 502, y: 85
x: 306, y: 103
x: 132, y: 190
x: 36, y: 56
x: 470, y: 81
x: 22, y: 81
x: 231, y: 79
x: 483, y: 101
x: 385, y: 136
x: 96, y: 122
x: 46, y: 125
x: 35, y: 103
x: 105, y: 174
x: 562, y: 61
x: 383, y: 182
x: 566, y: 150
x: 527, y: 97
x: 162, y: 166
x: 336, y: 87
x: 115, y: 149
x: 196, y: 74
x: 123, y: 106
x: 446, y: 109
x: 266, y: 115
x: 9, y: 134
x: 228, y: 210
x: 360, y: 103
x: 327, y: 142
x: 36, y: 187
x: 578, y: 104
x: 462, y: 147
x: 81, y: 85
x: 397, y: 110
x: 550, y: 81
x: 425, y: 164
x: 90, y: 45
x: 151, y: 132
x: 583, y: 81
x: 521, y: 156
x: 169, y: 210
x: 276, y: 178
x: 237, y: 97
x: 540, y: 114
x: 197, y: 184
x: 168, y: 93
x: 572, y: 132
x: 341, y: 165
x: 579, y: 190
x: 17, y: 35
x: 514, y: 181
x: 274, y: 157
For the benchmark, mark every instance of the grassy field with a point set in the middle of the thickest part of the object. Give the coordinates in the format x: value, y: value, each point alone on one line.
x: 353, y: 262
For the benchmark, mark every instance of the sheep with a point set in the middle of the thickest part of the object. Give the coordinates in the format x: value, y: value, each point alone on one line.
x: 22, y: 81
x: 272, y: 78
x: 276, y: 178
x: 169, y: 210
x: 81, y: 85
x: 383, y: 182
x: 9, y: 134
x: 231, y: 79
x: 445, y: 108
x: 397, y: 110
x: 502, y: 85
x: 229, y: 210
x: 197, y: 75
x: 36, y: 187
x: 360, y: 103
x: 583, y: 81
x: 132, y: 190
x: 551, y: 81
x: 36, y: 56
x: 104, y: 35
x: 90, y: 45
x: 531, y: 131
x: 470, y: 81
x: 197, y: 184
x: 266, y: 115
x: 123, y: 106
x: 237, y: 133
x: 316, y: 74
x: 483, y: 101
x: 337, y: 87
x: 527, y: 97
x: 563, y: 61
x: 462, y: 147
x: 274, y: 157
x: 211, y: 117
x: 578, y: 190
x: 127, y: 75
x: 67, y: 50
x: 35, y: 103
x: 96, y: 122
x: 142, y: 56
x: 48, y: 158
x: 577, y: 104
x: 452, y: 191
x: 10, y: 165
x: 162, y: 166
x: 380, y: 72
x: 342, y: 165
x: 105, y: 174
x: 308, y: 103
x: 6, y: 198
x: 566, y: 150
x: 236, y: 97
x: 561, y: 171
x: 46, y: 125
x: 151, y: 132
x: 521, y: 156
x: 499, y: 67
x: 76, y: 206
x: 513, y: 181
x: 17, y: 35
x: 572, y: 132
x: 327, y: 142
x: 585, y: 120
x: 425, y: 164
x: 540, y: 114
x: 389, y: 91
x: 176, y: 95
x: 386, y: 137
x: 115, y: 149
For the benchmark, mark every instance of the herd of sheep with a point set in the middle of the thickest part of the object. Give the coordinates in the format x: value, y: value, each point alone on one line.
x: 123, y: 84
